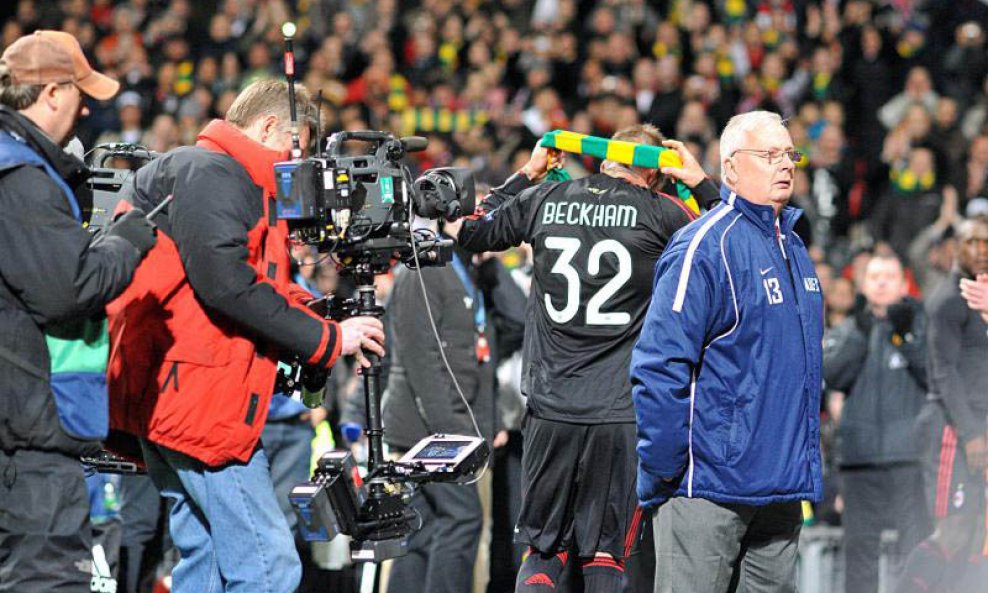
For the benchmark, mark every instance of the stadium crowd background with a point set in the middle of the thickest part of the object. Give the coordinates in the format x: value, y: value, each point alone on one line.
x: 887, y: 100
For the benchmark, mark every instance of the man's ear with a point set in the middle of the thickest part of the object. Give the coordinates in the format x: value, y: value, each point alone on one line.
x: 655, y: 179
x: 730, y: 173
x: 268, y: 126
x: 49, y: 96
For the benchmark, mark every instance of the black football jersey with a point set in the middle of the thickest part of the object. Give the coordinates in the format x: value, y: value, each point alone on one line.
x: 595, y: 242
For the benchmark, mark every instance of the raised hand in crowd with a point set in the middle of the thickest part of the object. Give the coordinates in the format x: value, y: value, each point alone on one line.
x: 975, y: 292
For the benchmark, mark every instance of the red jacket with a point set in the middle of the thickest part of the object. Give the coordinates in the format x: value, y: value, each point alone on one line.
x: 196, y: 338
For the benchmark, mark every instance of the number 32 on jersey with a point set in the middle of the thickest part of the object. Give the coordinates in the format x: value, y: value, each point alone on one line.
x: 569, y: 246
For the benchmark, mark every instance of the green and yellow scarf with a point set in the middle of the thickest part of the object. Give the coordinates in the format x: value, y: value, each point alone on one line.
x: 619, y: 151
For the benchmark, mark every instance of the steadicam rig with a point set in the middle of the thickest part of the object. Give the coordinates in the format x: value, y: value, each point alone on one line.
x: 356, y: 200
x: 374, y: 511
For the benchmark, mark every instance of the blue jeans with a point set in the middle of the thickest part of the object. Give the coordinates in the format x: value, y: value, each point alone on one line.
x: 226, y: 524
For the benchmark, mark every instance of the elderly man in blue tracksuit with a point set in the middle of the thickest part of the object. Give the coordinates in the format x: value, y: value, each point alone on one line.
x: 726, y: 379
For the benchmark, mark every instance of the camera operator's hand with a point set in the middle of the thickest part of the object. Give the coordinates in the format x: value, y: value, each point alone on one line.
x: 362, y: 333
x: 136, y: 229
x: 691, y: 173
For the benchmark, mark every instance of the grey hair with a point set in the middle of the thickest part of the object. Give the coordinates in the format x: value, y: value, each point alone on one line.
x: 269, y: 96
x: 739, y: 126
x: 14, y: 95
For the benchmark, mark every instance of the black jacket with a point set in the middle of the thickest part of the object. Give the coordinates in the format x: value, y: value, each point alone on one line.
x: 958, y: 359
x: 50, y: 271
x: 421, y: 399
x: 595, y: 241
x: 885, y: 385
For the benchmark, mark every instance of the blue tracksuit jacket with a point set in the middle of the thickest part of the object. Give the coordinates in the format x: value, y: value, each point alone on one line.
x: 726, y: 374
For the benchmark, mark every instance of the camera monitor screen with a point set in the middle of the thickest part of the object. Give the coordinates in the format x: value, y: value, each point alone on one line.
x: 441, y: 450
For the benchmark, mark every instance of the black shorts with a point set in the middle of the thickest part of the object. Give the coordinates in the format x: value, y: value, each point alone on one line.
x: 578, y: 488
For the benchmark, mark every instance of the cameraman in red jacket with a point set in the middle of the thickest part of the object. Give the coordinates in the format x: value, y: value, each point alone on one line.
x: 197, y: 337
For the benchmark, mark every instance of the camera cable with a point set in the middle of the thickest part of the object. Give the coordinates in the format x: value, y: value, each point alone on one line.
x: 442, y: 353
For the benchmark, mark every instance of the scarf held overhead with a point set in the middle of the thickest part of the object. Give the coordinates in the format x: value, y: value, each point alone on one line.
x: 619, y: 151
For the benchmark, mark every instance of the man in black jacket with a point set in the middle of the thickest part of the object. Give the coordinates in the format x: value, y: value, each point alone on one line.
x: 52, y: 275
x: 954, y: 430
x: 595, y: 242
x: 878, y: 358
x: 423, y: 400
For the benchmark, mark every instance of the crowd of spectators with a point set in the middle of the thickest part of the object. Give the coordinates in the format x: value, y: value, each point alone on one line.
x: 886, y: 99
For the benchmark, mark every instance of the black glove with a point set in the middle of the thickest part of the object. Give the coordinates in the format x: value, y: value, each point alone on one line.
x: 863, y: 317
x: 136, y: 229
x: 901, y: 316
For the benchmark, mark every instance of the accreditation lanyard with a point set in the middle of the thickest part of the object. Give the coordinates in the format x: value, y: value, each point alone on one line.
x: 479, y: 310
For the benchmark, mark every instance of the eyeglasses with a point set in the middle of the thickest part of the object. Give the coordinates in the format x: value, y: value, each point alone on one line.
x: 774, y: 157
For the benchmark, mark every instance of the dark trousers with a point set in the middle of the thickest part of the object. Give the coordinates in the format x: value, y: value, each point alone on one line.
x: 442, y: 553
x: 143, y: 540
x: 505, y: 506
x: 877, y: 498
x: 640, y: 565
x: 45, y: 534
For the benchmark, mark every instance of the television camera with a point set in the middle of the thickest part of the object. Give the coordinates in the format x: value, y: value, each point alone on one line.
x: 356, y: 201
x: 359, y: 207
x: 110, y: 166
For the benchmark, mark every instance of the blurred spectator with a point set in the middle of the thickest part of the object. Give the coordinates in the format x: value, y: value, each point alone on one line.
x: 163, y: 134
x: 973, y: 123
x: 919, y: 90
x: 129, y: 110
x: 965, y: 63
x: 931, y: 253
x: 947, y: 140
x: 113, y: 48
x: 878, y: 358
x: 912, y: 203
x: 839, y: 301
x: 831, y: 175
x: 870, y: 80
x: 973, y: 177
x: 667, y: 99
